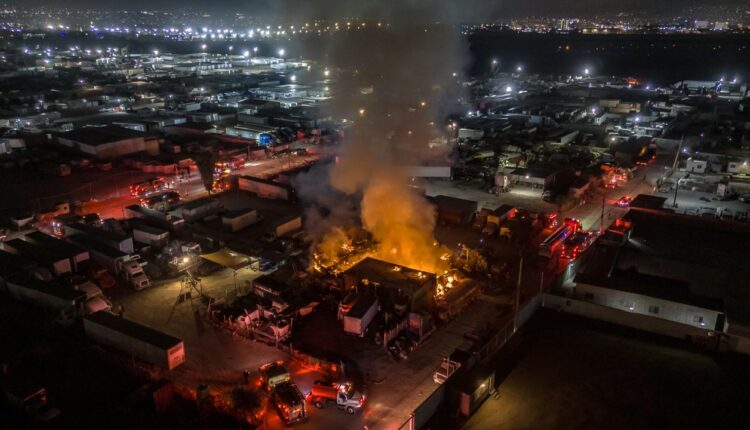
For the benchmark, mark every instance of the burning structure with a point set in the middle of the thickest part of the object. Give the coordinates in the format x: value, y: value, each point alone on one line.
x: 400, y: 285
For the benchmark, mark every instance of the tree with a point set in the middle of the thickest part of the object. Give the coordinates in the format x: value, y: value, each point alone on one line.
x: 206, y: 162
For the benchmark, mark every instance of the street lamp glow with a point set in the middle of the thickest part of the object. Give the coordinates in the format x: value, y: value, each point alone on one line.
x: 326, y: 72
x: 156, y: 52
x: 361, y: 112
x: 246, y: 53
x: 519, y: 69
x: 508, y: 89
x: 281, y: 52
x: 203, y: 47
x: 293, y: 78
x: 586, y: 71
x: 255, y: 49
x: 494, y: 61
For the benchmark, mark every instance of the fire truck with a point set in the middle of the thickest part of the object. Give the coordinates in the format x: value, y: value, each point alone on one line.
x: 289, y: 402
x: 147, y: 187
x: 554, y: 241
x: 576, y: 244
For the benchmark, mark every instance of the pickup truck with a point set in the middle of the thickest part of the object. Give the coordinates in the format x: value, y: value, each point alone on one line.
x: 343, y: 395
x: 273, y: 374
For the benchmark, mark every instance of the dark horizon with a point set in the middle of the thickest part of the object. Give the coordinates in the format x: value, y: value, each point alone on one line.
x: 350, y: 8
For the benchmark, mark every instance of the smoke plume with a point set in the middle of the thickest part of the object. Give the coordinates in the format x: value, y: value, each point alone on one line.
x: 395, y: 82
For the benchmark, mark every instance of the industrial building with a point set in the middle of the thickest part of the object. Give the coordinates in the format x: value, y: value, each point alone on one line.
x: 109, y: 142
x: 393, y: 282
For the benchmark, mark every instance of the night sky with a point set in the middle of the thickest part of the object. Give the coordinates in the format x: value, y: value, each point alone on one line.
x: 317, y: 8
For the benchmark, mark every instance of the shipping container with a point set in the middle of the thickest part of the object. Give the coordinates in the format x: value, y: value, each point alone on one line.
x: 360, y: 315
x: 134, y: 339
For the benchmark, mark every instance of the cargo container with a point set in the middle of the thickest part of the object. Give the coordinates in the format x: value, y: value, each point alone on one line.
x: 135, y: 339
x: 360, y: 315
x: 167, y: 221
x: 114, y: 240
x: 104, y: 255
x: 198, y: 209
x: 11, y: 262
x: 59, y: 264
x: 78, y: 255
x: 153, y: 236
x: 237, y: 220
x: 64, y: 302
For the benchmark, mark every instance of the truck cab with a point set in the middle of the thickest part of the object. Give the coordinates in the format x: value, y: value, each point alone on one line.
x: 344, y: 394
x: 133, y: 273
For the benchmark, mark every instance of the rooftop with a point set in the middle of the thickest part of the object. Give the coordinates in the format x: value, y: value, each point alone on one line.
x: 390, y: 275
x: 139, y: 331
x: 652, y: 286
x: 101, y: 135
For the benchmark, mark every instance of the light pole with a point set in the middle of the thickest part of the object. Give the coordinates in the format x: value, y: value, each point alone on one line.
x: 675, y: 166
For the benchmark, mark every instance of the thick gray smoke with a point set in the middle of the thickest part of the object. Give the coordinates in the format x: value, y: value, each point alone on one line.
x: 395, y: 80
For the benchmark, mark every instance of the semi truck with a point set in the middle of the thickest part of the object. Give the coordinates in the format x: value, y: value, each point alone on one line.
x: 134, y: 339
x: 289, y: 402
x: 343, y: 394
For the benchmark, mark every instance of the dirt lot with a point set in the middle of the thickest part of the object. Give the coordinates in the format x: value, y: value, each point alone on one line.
x: 575, y: 373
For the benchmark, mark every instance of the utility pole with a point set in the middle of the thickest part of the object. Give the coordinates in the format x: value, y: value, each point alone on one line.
x: 601, y: 220
x: 674, y: 170
x: 518, y: 293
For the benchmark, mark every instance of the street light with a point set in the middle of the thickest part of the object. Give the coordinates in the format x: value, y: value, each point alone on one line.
x: 519, y: 69
x: 293, y: 78
x: 281, y: 52
x: 508, y: 89
x: 326, y: 72
x: 586, y: 71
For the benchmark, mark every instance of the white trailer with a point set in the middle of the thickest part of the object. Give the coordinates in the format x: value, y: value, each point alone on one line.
x: 101, y: 254
x: 135, y: 339
x: 360, y: 316
x: 150, y: 235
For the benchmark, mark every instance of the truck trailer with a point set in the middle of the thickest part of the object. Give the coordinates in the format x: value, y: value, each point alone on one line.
x: 360, y: 315
x: 78, y: 255
x: 58, y: 263
x: 135, y: 339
